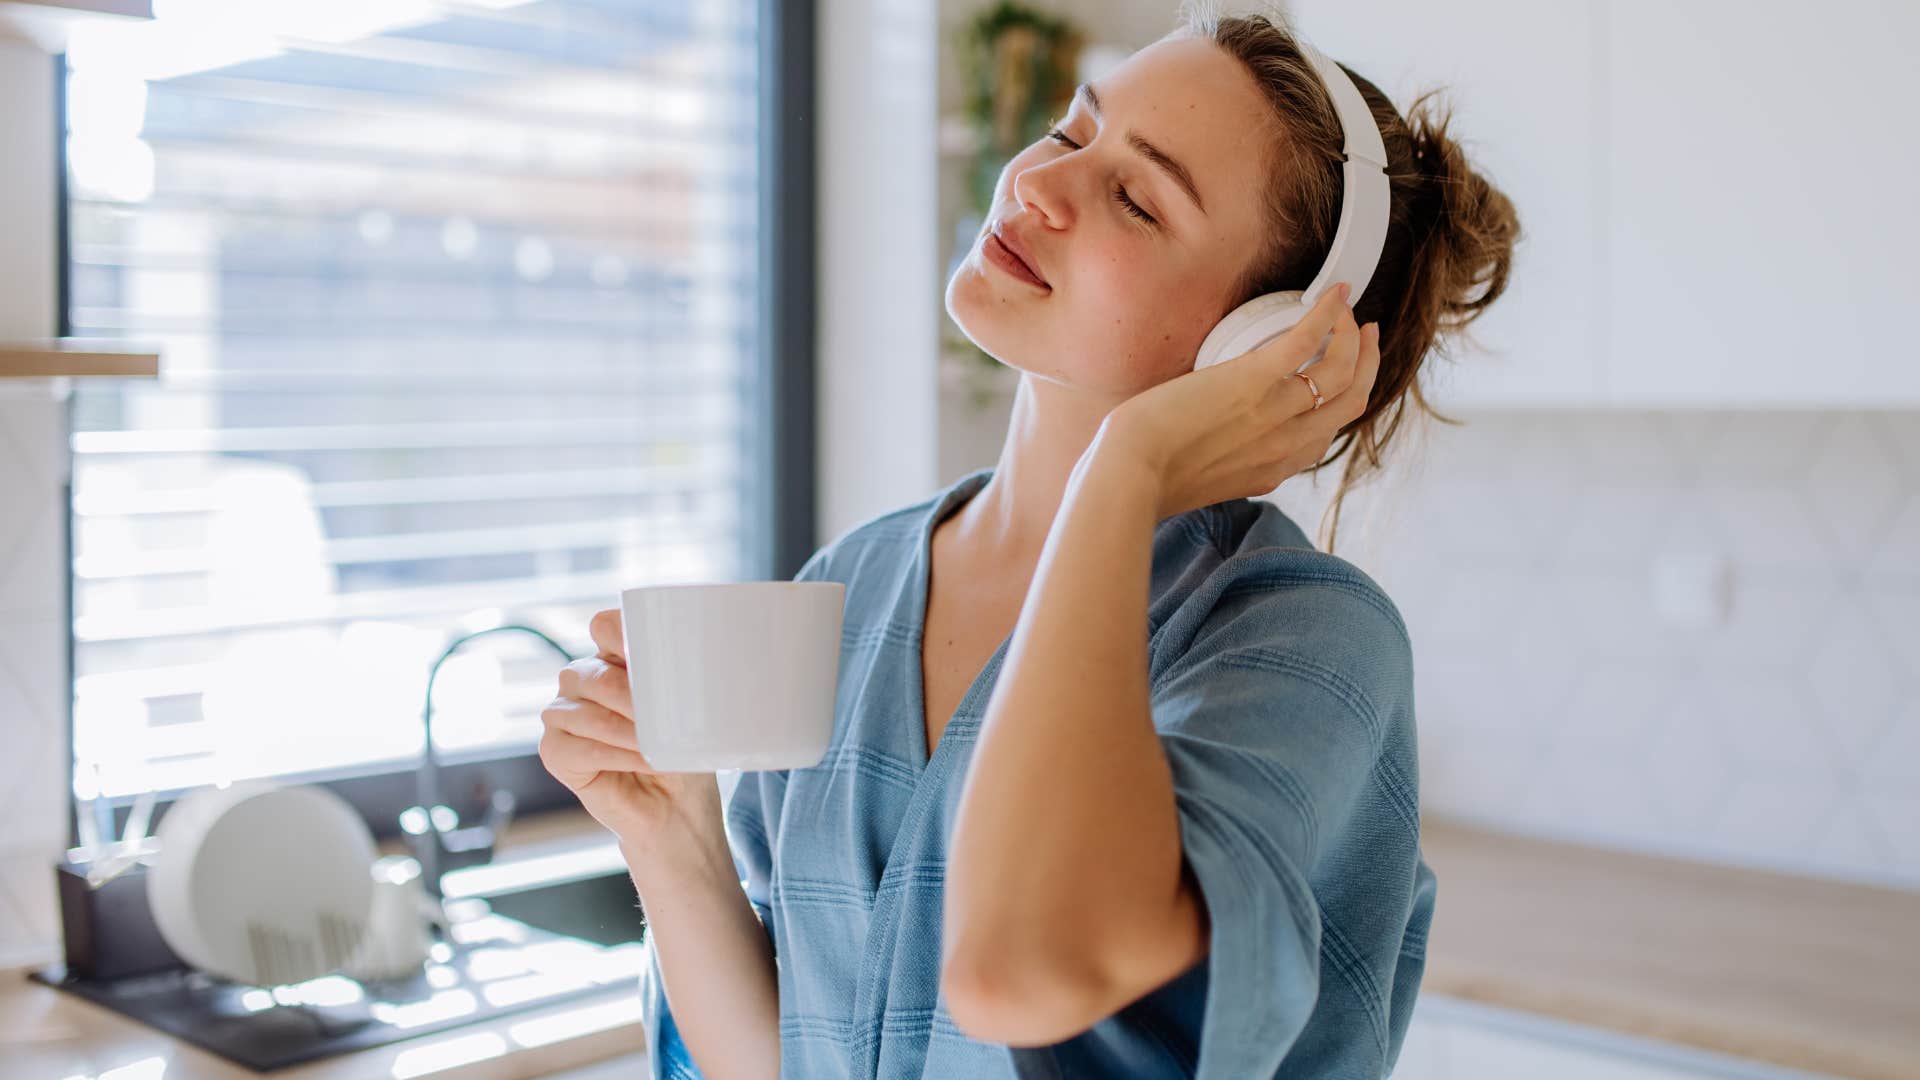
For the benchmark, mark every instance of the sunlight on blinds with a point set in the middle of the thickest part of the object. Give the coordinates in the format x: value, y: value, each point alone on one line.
x: 457, y: 303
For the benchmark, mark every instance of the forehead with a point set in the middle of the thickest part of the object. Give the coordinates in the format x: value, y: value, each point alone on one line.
x: 1195, y: 101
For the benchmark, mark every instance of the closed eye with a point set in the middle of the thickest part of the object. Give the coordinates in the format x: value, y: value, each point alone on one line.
x: 1119, y: 193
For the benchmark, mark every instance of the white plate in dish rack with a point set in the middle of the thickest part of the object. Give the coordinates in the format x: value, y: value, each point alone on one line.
x: 262, y: 883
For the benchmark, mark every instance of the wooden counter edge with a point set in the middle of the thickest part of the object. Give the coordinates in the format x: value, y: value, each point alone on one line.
x: 1502, y: 972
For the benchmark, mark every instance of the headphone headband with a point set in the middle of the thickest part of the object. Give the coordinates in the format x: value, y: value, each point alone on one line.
x: 1362, y: 230
x: 1357, y: 239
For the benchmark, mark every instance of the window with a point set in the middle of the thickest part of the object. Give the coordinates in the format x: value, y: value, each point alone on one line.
x: 471, y: 312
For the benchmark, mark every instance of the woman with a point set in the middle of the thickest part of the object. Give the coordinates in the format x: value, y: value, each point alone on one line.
x: 1044, y: 843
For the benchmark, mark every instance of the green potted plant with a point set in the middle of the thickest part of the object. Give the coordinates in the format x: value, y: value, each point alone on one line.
x: 1018, y: 66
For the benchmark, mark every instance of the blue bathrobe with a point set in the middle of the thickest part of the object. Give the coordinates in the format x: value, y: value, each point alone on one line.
x: 1281, y: 683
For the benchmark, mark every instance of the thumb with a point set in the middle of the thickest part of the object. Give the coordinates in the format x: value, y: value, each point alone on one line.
x: 609, y: 636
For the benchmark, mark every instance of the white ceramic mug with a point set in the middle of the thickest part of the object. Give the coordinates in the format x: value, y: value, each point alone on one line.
x: 397, y: 942
x: 733, y: 675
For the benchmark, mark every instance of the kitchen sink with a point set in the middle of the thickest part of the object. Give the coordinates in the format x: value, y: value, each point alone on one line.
x: 582, y: 892
x: 602, y: 908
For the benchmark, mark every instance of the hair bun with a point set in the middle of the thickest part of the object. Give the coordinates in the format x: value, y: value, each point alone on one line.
x: 1468, y: 226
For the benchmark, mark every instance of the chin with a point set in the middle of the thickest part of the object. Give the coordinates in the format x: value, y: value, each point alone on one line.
x: 980, y: 315
x: 993, y: 345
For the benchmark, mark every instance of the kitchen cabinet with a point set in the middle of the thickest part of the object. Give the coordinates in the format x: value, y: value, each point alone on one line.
x: 1522, y: 81
x: 1762, y: 226
x: 1716, y: 197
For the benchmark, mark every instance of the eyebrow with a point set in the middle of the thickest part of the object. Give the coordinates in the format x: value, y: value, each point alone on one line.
x: 1149, y: 151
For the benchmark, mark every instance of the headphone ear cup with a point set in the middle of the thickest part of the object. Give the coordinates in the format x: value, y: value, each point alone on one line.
x: 1250, y: 326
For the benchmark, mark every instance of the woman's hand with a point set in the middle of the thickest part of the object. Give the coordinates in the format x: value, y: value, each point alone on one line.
x: 589, y: 746
x: 1240, y: 428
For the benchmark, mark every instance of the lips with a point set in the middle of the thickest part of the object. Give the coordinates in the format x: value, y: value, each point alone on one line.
x: 1019, y: 250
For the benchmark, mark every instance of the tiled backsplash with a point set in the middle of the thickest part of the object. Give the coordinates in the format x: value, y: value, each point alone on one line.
x: 33, y: 465
x: 1524, y: 548
x: 33, y: 676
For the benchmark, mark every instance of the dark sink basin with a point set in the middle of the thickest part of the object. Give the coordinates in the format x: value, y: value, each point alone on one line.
x: 601, y: 908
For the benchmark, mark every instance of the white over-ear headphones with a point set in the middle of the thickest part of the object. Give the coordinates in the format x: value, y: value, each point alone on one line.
x: 1356, y: 241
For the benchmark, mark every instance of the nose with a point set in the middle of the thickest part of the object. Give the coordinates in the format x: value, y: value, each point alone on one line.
x: 1036, y: 188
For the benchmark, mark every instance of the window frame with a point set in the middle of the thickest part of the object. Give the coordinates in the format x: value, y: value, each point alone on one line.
x: 781, y: 447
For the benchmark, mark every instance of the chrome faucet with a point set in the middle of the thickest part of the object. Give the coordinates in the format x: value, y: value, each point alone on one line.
x: 431, y: 827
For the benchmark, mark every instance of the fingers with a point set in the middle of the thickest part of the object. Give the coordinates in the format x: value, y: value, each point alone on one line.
x: 1351, y: 360
x: 1343, y: 352
x: 608, y: 636
x: 1350, y: 403
x: 1304, y: 337
x: 1317, y: 428
x: 601, y: 682
x: 576, y: 760
x: 589, y: 720
x: 1334, y: 371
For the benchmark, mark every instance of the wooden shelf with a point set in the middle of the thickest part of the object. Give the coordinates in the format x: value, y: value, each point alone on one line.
x: 1805, y: 972
x: 81, y: 357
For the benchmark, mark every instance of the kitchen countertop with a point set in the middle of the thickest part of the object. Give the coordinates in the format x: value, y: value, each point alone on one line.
x: 47, y: 1033
x: 1803, y: 972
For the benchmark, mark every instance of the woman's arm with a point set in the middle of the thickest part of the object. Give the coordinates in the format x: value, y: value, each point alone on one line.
x: 1066, y: 895
x: 716, y: 964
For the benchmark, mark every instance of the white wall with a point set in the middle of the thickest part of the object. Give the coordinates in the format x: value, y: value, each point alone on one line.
x: 33, y: 677
x: 26, y: 192
x: 880, y: 259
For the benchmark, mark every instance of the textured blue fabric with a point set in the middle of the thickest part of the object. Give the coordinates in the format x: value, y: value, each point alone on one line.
x: 675, y: 1061
x: 1281, y: 683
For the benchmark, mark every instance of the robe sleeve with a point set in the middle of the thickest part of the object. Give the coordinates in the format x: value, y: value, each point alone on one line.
x: 1272, y: 721
x: 742, y: 796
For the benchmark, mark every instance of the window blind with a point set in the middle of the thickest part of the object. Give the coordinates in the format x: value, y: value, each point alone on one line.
x: 457, y: 304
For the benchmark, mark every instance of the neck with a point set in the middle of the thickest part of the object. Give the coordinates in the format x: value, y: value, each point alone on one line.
x: 1008, y: 519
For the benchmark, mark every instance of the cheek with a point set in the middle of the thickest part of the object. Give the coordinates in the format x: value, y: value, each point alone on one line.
x: 1128, y: 310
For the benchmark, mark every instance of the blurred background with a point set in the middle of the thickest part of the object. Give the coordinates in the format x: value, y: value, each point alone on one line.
x: 460, y: 314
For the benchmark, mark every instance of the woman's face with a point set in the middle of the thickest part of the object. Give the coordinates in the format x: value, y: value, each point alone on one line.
x: 1127, y: 301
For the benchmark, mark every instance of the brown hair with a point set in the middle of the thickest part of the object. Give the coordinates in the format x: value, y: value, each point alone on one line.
x: 1450, y: 233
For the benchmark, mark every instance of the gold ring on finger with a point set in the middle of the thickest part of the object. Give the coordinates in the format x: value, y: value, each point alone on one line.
x: 1315, y: 390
